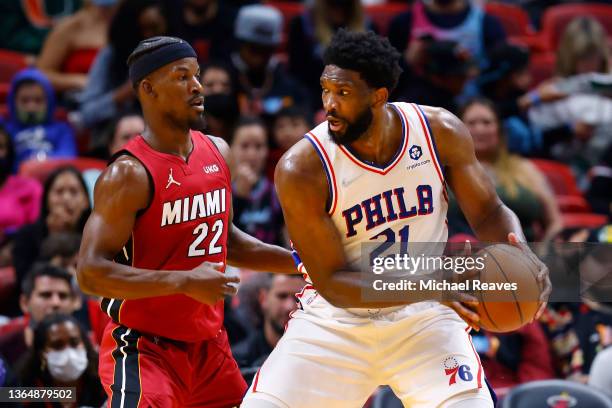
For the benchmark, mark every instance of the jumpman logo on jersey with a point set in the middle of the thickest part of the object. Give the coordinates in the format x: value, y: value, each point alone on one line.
x: 171, y: 180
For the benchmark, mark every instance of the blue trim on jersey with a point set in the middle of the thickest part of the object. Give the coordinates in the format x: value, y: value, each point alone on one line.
x: 397, y: 153
x: 330, y: 181
x: 433, y: 140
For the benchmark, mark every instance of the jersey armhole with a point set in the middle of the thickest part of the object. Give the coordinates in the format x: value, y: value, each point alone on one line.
x: 149, y: 176
x: 330, y: 203
x: 221, y: 158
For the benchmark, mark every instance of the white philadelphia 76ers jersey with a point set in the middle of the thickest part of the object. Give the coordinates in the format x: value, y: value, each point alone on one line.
x: 403, y: 201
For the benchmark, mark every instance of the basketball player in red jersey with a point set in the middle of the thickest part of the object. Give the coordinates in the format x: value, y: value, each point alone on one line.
x: 156, y: 245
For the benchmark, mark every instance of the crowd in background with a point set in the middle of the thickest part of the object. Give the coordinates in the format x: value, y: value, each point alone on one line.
x: 538, y: 106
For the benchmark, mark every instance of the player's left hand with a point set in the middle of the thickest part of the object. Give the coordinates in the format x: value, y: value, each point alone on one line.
x: 542, y: 275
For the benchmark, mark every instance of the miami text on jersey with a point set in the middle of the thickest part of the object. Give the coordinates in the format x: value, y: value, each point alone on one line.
x: 190, y: 208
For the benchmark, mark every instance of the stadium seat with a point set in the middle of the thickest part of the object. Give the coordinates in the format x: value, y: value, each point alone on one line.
x: 41, y: 169
x: 8, y: 281
x: 514, y: 19
x: 583, y: 220
x: 11, y: 62
x: 557, y: 17
x: 4, y: 90
x: 289, y: 11
x: 556, y: 393
x: 559, y: 176
x: 541, y: 67
x: 382, y: 14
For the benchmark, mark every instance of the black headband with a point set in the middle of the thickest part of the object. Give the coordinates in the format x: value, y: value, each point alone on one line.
x: 159, y: 57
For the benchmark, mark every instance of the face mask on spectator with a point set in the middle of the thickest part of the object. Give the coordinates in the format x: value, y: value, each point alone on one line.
x: 67, y: 364
x: 221, y: 105
x: 31, y: 118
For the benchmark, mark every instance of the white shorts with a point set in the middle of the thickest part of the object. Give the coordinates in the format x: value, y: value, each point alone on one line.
x: 329, y: 357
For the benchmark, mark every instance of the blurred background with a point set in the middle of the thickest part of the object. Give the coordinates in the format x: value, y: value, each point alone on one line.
x: 531, y: 79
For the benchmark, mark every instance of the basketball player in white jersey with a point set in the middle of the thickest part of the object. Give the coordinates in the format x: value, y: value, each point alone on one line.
x: 377, y: 171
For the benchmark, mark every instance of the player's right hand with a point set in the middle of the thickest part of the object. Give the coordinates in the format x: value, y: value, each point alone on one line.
x: 207, y: 284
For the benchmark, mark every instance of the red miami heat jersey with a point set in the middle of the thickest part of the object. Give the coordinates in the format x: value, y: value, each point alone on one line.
x: 185, y: 224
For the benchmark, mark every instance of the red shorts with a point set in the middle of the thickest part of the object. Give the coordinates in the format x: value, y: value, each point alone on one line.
x: 144, y: 371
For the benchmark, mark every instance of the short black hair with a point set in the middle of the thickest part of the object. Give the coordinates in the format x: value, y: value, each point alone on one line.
x: 63, y: 244
x: 373, y: 56
x: 244, y: 121
x: 44, y: 269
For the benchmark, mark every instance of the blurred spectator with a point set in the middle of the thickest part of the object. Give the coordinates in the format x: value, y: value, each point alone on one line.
x: 514, y: 358
x: 264, y: 87
x: 256, y: 207
x: 289, y: 126
x: 277, y: 301
x: 519, y: 184
x: 61, y: 249
x: 19, y: 196
x: 25, y: 24
x: 123, y: 128
x: 62, y: 356
x: 221, y: 104
x: 600, y: 375
x: 65, y: 207
x: 73, y: 43
x: 577, y: 333
x: 505, y: 81
x: 108, y: 91
x: 208, y: 25
x: 599, y: 192
x: 311, y: 32
x: 30, y: 122
x: 446, y: 70
x: 583, y: 48
x: 463, y: 21
x: 46, y: 290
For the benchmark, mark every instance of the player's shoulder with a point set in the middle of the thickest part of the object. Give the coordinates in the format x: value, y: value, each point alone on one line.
x: 300, y: 162
x: 452, y: 138
x: 218, y: 142
x: 126, y: 180
x: 125, y: 168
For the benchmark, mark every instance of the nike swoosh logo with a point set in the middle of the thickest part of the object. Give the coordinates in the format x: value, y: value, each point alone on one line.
x: 346, y: 183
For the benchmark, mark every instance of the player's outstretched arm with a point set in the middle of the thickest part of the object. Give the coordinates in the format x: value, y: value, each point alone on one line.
x: 245, y: 251
x: 121, y: 191
x: 489, y: 218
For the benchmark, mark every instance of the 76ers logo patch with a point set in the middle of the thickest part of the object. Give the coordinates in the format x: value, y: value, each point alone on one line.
x: 452, y: 368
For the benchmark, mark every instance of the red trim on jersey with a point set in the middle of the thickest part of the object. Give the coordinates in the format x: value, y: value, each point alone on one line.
x: 479, y: 376
x: 331, y: 172
x: 306, y: 287
x: 431, y: 151
x: 377, y: 170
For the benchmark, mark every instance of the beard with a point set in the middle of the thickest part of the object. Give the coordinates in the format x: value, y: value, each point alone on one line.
x: 198, y: 122
x: 353, y: 131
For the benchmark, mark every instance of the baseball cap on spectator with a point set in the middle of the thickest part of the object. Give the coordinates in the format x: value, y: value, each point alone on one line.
x: 445, y: 57
x: 258, y: 24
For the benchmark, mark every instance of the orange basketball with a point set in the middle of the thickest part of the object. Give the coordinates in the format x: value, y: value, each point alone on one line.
x: 510, y: 295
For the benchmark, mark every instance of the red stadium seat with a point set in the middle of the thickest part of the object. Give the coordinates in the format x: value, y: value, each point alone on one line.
x: 11, y: 62
x: 41, y: 169
x: 514, y: 19
x: 563, y: 183
x: 8, y: 281
x: 583, y: 220
x: 4, y: 90
x: 559, y: 176
x: 556, y: 18
x: 382, y: 14
x: 289, y: 11
x: 542, y: 67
